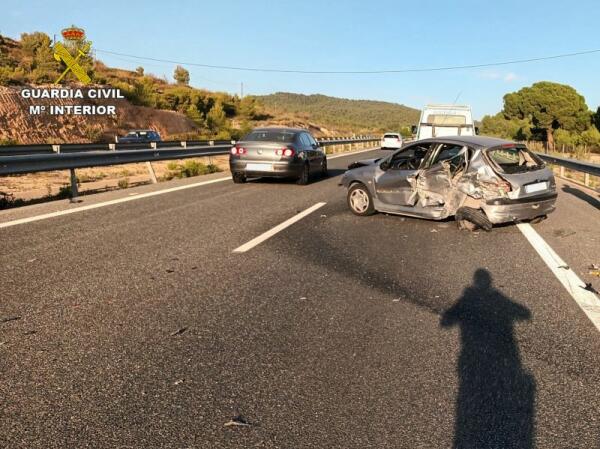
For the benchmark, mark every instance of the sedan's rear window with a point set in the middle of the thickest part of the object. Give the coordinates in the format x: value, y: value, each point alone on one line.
x: 514, y: 159
x: 390, y: 136
x: 271, y: 136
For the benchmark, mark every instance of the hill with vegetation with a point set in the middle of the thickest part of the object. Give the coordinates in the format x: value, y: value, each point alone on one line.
x: 342, y: 113
x: 195, y: 113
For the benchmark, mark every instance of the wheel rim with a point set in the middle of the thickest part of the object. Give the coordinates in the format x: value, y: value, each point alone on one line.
x: 359, y: 200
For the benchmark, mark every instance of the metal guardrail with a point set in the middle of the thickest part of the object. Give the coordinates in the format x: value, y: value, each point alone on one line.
x: 36, y: 158
x: 587, y: 168
x: 571, y: 164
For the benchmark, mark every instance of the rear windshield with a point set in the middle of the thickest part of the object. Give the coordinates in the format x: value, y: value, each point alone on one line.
x: 446, y: 119
x: 514, y: 159
x: 390, y: 136
x: 271, y: 136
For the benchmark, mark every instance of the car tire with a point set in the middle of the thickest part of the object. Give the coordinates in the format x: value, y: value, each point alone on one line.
x: 360, y: 200
x: 304, y: 175
x: 470, y: 219
x: 239, y: 178
x: 324, y: 168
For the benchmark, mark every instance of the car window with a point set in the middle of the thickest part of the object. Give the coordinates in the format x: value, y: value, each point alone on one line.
x: 410, y: 157
x: 445, y: 152
x: 305, y: 140
x: 311, y: 139
x: 391, y: 136
x: 270, y: 136
x: 512, y: 159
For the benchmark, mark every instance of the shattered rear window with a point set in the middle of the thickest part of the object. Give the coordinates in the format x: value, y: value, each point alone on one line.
x: 514, y: 159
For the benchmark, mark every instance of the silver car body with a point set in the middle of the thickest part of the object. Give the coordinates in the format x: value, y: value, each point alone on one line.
x: 418, y: 181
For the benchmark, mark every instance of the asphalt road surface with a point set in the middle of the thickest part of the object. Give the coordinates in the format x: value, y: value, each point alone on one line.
x: 136, y: 325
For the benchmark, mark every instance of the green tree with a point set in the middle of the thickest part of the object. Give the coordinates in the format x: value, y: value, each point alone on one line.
x: 499, y: 126
x: 597, y: 118
x: 194, y: 114
x: 181, y: 75
x: 549, y: 106
x: 216, y: 119
x: 140, y: 71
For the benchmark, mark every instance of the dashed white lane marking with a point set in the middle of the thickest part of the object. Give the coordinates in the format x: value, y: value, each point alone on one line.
x: 280, y: 227
x: 136, y: 196
x: 107, y: 203
x: 587, y: 300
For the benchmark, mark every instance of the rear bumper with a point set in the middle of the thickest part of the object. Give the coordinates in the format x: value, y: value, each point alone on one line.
x: 506, y: 210
x: 280, y: 169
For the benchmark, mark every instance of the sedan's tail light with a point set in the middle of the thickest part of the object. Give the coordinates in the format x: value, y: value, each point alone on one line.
x: 238, y: 150
x: 284, y: 152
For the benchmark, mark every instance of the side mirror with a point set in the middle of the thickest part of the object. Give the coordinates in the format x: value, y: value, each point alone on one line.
x: 385, y: 165
x: 413, y: 129
x: 315, y: 146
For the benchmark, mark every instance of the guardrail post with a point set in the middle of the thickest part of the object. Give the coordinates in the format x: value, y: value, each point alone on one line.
x: 184, y: 144
x: 586, y: 179
x: 56, y: 148
x: 112, y: 146
x: 153, y: 145
x: 151, y: 172
x: 74, y: 191
x: 562, y: 171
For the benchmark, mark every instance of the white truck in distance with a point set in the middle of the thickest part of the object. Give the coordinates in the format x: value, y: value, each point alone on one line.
x: 439, y: 120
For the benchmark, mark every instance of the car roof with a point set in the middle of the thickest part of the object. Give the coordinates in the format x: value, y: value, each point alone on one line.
x: 473, y: 141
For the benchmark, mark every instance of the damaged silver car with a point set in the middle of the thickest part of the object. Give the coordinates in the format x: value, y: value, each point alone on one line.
x: 481, y: 181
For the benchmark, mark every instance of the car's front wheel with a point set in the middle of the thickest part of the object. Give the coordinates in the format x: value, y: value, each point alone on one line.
x: 360, y: 200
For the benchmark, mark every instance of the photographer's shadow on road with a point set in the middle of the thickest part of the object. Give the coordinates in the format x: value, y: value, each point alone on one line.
x: 495, y: 406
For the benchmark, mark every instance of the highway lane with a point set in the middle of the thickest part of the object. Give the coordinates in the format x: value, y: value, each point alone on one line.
x: 339, y: 331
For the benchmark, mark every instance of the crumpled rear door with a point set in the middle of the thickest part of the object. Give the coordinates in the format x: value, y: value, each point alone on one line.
x: 434, y: 186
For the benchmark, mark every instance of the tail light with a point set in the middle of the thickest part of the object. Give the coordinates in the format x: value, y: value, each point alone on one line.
x: 238, y: 150
x: 284, y: 152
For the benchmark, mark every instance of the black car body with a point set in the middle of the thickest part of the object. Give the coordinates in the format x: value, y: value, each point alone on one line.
x: 277, y: 152
x: 140, y: 136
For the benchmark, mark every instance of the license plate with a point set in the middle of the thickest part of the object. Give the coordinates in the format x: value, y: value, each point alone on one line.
x: 259, y: 167
x: 538, y: 186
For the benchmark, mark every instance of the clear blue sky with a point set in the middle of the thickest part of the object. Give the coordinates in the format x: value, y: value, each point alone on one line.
x: 343, y: 35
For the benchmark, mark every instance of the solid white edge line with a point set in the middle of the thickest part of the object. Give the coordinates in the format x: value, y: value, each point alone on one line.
x: 135, y: 196
x: 280, y: 227
x: 586, y: 300
x: 107, y: 203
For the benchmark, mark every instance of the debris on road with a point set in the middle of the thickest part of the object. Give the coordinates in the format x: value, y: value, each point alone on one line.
x: 10, y: 318
x: 564, y: 267
x: 562, y: 233
x: 434, y: 230
x: 32, y: 260
x: 323, y: 216
x: 237, y: 421
x: 590, y: 288
x: 179, y: 331
x: 177, y: 382
x: 594, y: 270
x: 170, y: 270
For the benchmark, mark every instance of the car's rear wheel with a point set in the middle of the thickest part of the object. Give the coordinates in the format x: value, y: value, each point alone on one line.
x: 471, y: 219
x: 239, y: 178
x: 304, y: 175
x: 360, y: 200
